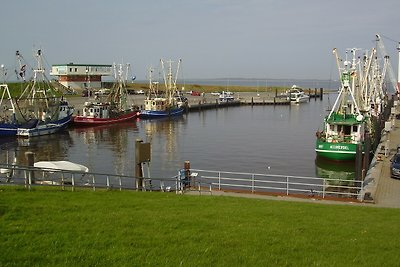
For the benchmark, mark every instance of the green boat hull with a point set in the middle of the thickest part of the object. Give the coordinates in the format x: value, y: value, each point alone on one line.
x: 336, y: 151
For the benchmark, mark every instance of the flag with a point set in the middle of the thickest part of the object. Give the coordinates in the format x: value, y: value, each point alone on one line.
x: 22, y: 72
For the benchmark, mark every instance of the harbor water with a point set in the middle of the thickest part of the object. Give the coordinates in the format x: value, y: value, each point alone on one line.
x: 257, y: 139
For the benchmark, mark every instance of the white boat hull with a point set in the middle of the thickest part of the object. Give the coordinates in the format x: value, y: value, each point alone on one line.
x: 44, y: 129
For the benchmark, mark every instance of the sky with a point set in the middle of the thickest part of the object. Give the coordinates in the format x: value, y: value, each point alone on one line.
x: 263, y: 39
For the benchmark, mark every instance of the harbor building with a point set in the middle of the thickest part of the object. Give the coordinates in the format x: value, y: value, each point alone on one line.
x: 81, y: 76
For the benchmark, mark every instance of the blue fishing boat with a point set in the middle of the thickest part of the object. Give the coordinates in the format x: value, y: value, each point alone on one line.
x: 158, y: 105
x: 8, y: 121
x: 44, y: 108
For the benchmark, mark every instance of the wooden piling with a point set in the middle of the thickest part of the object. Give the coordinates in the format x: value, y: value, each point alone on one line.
x: 367, y: 150
x: 138, y: 166
x: 358, y: 162
x: 187, y: 172
x: 30, y: 157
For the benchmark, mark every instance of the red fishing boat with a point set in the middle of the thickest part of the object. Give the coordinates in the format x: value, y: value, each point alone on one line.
x: 112, y: 107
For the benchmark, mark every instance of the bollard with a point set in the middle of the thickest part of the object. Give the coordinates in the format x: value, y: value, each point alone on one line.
x: 387, y: 148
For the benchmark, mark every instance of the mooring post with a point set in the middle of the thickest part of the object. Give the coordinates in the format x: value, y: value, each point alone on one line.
x: 187, y: 172
x: 321, y: 93
x: 30, y: 157
x: 366, y: 157
x: 358, y: 162
x: 138, y: 166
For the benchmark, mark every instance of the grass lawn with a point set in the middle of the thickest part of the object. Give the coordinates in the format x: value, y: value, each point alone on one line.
x: 49, y: 227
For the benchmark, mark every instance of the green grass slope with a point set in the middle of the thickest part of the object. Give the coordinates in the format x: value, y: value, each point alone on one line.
x: 49, y: 227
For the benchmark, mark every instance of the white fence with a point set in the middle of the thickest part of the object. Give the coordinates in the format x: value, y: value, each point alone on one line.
x: 199, y: 180
x: 31, y: 176
x: 279, y: 184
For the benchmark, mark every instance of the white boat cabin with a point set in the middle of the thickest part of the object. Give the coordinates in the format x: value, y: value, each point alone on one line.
x: 297, y: 95
x: 156, y: 104
x: 345, y: 133
x: 65, y: 110
x: 96, y: 110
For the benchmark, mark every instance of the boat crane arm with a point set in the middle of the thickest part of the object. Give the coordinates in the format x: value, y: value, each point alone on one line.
x: 382, y: 50
x: 364, y: 82
x: 164, y: 75
x: 344, y: 88
x: 334, y: 51
x: 177, y: 70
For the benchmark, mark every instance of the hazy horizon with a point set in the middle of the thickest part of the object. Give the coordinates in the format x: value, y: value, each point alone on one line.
x: 260, y: 39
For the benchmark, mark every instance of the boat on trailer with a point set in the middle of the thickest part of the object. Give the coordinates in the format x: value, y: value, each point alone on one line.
x: 110, y: 108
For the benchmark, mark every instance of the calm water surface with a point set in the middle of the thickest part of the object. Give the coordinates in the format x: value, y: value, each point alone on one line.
x: 260, y: 139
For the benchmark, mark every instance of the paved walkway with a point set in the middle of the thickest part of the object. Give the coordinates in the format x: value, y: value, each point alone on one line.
x: 384, y: 190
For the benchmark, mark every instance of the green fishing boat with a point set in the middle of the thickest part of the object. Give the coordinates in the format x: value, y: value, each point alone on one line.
x: 346, y: 126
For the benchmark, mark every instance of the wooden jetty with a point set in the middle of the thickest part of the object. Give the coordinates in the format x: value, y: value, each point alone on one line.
x: 211, y: 105
x: 250, y: 99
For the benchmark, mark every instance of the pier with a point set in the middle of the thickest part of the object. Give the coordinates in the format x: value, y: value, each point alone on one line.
x: 379, y: 187
x: 208, y: 101
x: 247, y: 98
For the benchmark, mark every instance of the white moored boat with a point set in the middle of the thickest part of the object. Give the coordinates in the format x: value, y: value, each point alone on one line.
x: 297, y: 95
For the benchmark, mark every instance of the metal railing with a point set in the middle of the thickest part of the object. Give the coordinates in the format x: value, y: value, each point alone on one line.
x: 280, y: 184
x: 32, y: 176
x: 199, y: 180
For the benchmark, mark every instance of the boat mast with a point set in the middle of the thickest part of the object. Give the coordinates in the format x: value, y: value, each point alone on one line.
x: 346, y: 73
x: 168, y: 80
x: 151, y: 84
x: 383, y: 52
x: 177, y: 71
x: 398, y: 67
x: 5, y: 86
